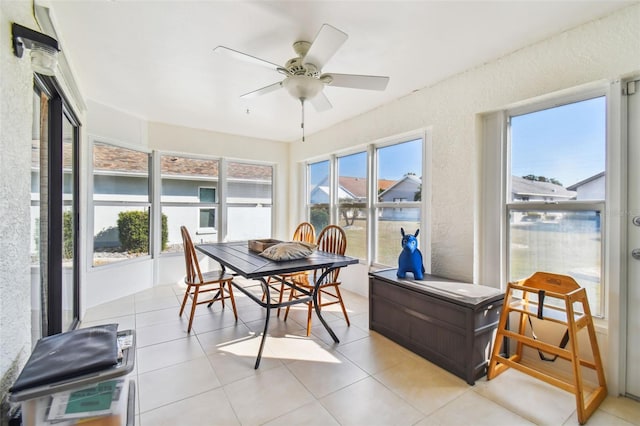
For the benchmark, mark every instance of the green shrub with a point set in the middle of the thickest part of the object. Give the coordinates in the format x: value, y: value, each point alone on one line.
x: 67, y: 223
x: 319, y: 218
x: 133, y: 231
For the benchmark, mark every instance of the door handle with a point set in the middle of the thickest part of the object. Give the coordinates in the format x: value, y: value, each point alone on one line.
x: 636, y: 221
x: 635, y: 253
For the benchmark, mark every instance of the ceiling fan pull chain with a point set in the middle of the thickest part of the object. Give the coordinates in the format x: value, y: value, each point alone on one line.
x: 302, y: 123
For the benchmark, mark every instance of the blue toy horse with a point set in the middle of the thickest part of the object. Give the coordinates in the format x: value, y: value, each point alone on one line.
x: 410, y: 259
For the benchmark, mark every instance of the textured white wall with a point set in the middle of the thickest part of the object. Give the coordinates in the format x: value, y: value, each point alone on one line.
x: 16, y: 94
x: 603, y: 49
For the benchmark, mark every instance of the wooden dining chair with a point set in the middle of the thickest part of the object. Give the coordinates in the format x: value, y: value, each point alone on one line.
x: 304, y: 232
x: 332, y: 239
x: 198, y: 282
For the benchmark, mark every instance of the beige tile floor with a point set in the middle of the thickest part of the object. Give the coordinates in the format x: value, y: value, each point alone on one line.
x: 207, y: 377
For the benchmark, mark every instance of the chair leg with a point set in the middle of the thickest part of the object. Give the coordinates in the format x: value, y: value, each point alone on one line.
x: 184, y: 299
x: 344, y: 310
x: 291, y: 295
x: 280, y: 297
x: 194, y: 303
x: 221, y: 292
x: 309, y: 313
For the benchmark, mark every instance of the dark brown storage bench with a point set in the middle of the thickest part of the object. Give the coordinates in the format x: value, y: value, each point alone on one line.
x: 450, y: 323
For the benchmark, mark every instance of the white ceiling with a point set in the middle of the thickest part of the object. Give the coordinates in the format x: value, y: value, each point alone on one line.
x: 155, y: 59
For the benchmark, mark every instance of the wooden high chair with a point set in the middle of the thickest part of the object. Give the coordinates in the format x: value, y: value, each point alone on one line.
x: 555, y: 299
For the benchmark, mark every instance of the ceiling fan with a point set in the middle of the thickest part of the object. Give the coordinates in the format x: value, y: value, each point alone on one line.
x: 304, y: 79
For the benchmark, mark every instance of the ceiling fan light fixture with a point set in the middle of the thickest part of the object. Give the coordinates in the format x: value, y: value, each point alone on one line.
x: 303, y: 87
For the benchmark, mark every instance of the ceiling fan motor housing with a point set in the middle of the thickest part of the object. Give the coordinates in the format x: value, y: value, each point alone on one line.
x: 296, y: 67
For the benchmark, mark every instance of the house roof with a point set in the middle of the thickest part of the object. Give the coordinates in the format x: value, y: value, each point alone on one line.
x: 412, y: 178
x: 575, y: 186
x: 113, y: 159
x: 531, y: 188
x: 357, y: 186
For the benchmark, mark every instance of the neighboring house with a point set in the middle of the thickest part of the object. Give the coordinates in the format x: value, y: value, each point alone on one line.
x: 190, y: 193
x: 532, y: 190
x: 403, y: 190
x: 591, y: 188
x: 350, y: 189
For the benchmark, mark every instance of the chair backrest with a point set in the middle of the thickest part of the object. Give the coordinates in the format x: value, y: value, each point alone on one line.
x: 194, y: 275
x: 305, y: 232
x: 332, y: 239
x: 547, y: 281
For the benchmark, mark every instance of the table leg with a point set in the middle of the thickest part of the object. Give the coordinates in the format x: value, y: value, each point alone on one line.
x: 317, y: 308
x: 266, y: 321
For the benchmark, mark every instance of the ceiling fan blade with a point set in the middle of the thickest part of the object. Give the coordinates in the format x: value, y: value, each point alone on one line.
x: 353, y: 81
x: 262, y: 91
x: 246, y: 58
x: 320, y: 102
x: 324, y: 46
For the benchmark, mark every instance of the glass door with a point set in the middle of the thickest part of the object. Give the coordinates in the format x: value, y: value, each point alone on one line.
x: 54, y: 212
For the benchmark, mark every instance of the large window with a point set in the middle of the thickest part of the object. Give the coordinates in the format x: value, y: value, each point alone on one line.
x: 556, y: 193
x: 370, y: 203
x: 189, y: 198
x: 121, y: 203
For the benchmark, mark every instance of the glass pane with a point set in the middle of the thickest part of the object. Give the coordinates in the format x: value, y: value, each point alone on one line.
x: 68, y: 226
x: 249, y: 183
x: 388, y: 236
x: 558, y: 154
x: 248, y: 223
x: 189, y: 180
x: 120, y: 174
x: 319, y: 183
x: 120, y: 233
x: 354, y: 222
x: 207, y: 195
x: 207, y: 218
x: 400, y: 172
x: 319, y: 217
x: 560, y: 242
x: 39, y: 165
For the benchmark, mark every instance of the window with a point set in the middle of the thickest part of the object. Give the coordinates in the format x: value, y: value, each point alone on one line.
x: 399, y: 195
x: 121, y: 203
x: 352, y: 202
x: 188, y: 198
x: 207, y: 220
x: 249, y: 198
x: 556, y: 193
x: 318, y: 194
x: 372, y: 225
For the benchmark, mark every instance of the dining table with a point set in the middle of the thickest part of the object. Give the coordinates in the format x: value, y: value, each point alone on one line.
x: 242, y: 261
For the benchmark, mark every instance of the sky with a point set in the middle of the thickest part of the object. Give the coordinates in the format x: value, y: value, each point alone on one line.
x: 395, y: 161
x: 566, y: 142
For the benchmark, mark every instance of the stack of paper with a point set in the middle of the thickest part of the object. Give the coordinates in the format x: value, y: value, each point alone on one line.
x: 104, y: 403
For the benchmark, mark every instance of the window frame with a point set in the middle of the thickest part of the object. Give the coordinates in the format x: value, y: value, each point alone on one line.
x: 59, y: 109
x: 372, y: 203
x: 105, y: 203
x: 509, y: 205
